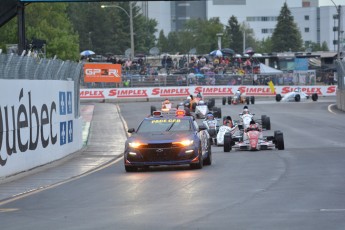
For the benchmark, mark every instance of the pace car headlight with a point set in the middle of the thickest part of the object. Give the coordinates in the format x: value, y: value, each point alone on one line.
x: 185, y: 142
x: 135, y: 144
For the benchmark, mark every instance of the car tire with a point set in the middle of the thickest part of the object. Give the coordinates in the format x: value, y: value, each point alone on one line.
x: 267, y: 123
x: 227, y: 142
x: 279, y: 138
x: 297, y: 97
x: 247, y: 100
x: 314, y: 96
x: 223, y: 100
x: 208, y: 159
x: 252, y: 100
x: 229, y: 100
x: 278, y: 97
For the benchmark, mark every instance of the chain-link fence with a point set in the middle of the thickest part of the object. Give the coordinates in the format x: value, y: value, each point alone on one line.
x: 341, y: 84
x: 13, y: 66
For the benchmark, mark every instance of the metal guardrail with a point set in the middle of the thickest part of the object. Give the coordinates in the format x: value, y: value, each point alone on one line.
x: 13, y: 66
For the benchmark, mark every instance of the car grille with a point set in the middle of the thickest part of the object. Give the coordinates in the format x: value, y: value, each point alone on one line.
x: 164, y: 154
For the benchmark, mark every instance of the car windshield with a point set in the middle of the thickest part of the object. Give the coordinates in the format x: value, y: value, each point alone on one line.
x: 164, y: 125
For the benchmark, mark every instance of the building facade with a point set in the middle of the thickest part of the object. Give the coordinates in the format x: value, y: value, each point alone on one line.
x: 315, y: 23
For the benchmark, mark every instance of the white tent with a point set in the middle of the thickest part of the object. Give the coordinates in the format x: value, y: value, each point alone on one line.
x: 264, y: 69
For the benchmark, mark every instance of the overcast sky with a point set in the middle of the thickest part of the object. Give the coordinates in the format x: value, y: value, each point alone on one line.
x: 330, y: 3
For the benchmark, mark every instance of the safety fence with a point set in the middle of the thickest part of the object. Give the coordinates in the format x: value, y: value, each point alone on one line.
x: 162, y: 80
x: 13, y: 66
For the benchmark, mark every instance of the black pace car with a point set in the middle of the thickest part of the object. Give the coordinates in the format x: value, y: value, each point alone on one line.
x: 167, y: 140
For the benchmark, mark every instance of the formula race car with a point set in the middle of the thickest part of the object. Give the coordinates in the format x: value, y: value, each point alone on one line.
x: 165, y: 107
x: 245, y: 120
x: 237, y: 99
x: 297, y: 95
x: 212, y: 127
x: 254, y: 140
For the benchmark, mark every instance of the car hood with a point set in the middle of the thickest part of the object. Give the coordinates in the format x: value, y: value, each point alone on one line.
x: 160, y: 137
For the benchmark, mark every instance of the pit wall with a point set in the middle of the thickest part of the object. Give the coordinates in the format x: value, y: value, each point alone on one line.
x: 38, y: 124
x: 213, y: 91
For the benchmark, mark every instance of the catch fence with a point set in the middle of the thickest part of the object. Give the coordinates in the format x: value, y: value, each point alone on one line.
x: 13, y: 66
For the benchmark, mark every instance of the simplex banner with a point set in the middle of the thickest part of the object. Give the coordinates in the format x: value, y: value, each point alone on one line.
x: 214, y: 91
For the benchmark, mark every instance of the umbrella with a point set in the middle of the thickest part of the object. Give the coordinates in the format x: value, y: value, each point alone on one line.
x: 87, y: 53
x: 216, y: 53
x: 227, y: 51
x: 249, y: 51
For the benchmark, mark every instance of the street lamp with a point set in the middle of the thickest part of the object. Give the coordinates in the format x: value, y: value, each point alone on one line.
x: 130, y: 15
x: 339, y: 23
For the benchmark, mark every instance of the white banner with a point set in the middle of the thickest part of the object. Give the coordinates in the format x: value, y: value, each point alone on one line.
x: 216, y: 91
x: 37, y: 123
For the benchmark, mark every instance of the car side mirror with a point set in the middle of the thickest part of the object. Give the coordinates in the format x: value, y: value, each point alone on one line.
x: 131, y: 130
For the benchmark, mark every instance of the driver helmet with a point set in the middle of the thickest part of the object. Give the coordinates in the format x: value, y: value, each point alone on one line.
x: 210, y: 116
x: 189, y: 98
x: 246, y: 111
x: 201, y: 102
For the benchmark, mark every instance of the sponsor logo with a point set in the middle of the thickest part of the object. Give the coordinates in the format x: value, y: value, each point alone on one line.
x: 171, y: 92
x: 27, y: 126
x: 214, y: 90
x: 123, y: 93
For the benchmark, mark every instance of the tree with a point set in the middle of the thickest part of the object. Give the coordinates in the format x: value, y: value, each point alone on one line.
x: 250, y: 40
x: 286, y: 36
x: 47, y: 22
x: 233, y: 35
x: 162, y: 42
x: 265, y: 45
x: 204, y: 33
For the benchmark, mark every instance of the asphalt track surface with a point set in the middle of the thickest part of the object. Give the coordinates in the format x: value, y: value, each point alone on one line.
x: 301, y: 187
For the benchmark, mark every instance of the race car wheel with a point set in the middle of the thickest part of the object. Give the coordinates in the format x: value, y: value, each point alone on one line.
x: 213, y: 102
x: 267, y: 123
x: 314, y: 96
x: 263, y: 119
x: 252, y: 99
x: 200, y: 163
x: 208, y: 159
x: 229, y: 100
x: 223, y: 100
x: 153, y: 108
x: 217, y: 112
x: 187, y: 111
x: 247, y: 100
x: 131, y: 168
x: 227, y: 142
x: 297, y: 97
x: 278, y: 97
x: 279, y: 141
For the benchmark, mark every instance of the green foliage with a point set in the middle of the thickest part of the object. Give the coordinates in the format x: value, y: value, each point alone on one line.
x: 233, y: 35
x: 264, y: 46
x: 286, y: 36
x: 46, y: 22
x: 162, y: 42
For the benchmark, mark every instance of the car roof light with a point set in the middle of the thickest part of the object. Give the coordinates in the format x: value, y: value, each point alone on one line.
x: 180, y: 113
x: 157, y: 113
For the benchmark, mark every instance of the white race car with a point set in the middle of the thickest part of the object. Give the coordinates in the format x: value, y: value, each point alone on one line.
x: 297, y: 95
x: 224, y: 129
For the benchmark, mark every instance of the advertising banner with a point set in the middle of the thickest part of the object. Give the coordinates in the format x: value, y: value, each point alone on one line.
x: 101, y: 72
x: 214, y: 91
